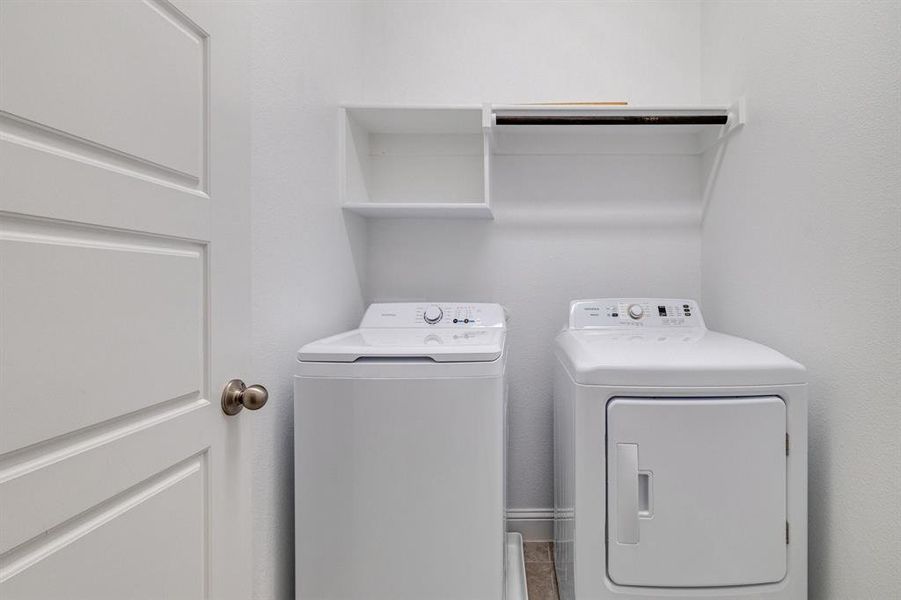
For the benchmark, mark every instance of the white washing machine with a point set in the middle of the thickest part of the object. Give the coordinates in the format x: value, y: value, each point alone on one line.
x: 680, y: 458
x: 400, y: 456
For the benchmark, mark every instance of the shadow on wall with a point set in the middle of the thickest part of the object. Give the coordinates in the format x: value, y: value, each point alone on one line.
x: 819, y: 493
x: 358, y: 238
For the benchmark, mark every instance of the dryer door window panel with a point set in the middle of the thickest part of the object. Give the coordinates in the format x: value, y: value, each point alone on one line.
x: 696, y: 493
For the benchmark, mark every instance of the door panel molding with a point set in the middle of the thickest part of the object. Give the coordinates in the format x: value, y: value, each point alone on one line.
x: 112, y: 317
x: 71, y: 531
x: 19, y: 463
x: 134, y: 76
x: 19, y: 130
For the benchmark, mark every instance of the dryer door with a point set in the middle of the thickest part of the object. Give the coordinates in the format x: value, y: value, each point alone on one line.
x: 696, y: 491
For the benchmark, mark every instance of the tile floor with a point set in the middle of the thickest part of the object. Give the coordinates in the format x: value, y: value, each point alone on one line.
x: 540, y: 576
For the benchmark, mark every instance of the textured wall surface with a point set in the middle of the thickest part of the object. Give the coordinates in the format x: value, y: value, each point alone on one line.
x: 305, y: 286
x: 801, y: 251
x: 803, y: 228
x: 495, y: 51
x: 553, y: 239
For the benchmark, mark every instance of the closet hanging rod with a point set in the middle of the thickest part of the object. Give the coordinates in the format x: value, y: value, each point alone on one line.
x: 611, y: 119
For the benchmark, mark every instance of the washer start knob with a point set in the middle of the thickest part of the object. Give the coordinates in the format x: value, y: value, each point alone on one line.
x: 635, y: 311
x: 432, y: 314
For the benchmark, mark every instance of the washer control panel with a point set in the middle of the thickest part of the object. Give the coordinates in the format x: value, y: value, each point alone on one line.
x: 634, y: 312
x: 406, y: 315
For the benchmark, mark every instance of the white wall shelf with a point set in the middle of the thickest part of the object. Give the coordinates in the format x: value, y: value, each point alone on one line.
x: 568, y: 115
x: 414, y: 161
x: 435, y: 161
x: 427, y: 210
x: 587, y: 129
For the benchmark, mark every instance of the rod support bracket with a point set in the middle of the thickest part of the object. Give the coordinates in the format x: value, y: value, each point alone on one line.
x: 738, y: 113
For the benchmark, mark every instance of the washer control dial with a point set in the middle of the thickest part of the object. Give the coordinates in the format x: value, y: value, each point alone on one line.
x: 635, y: 311
x: 432, y: 314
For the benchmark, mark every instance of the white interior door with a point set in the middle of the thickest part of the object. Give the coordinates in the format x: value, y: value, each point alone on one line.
x: 124, y: 301
x: 696, y: 491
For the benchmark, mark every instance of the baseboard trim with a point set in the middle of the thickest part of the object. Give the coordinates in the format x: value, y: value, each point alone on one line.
x: 534, y: 524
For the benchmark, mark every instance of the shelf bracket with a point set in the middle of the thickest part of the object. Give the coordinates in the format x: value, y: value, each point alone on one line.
x: 736, y: 119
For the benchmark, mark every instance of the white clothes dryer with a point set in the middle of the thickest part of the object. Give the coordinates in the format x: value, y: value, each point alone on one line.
x: 680, y: 458
x: 400, y: 450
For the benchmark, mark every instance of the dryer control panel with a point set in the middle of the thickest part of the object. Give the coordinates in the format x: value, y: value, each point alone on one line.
x: 407, y: 315
x: 634, y: 313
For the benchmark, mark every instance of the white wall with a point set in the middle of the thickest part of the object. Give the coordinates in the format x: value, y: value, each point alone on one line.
x: 801, y: 251
x: 804, y: 222
x: 472, y: 51
x: 552, y: 240
x: 305, y: 59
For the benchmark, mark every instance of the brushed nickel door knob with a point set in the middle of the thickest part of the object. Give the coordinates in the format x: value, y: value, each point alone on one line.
x: 237, y: 396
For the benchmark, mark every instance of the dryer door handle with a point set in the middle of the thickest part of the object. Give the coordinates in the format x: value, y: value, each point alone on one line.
x: 627, y: 506
x: 645, y: 494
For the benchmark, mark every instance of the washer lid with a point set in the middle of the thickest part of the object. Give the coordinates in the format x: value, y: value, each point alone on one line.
x: 438, y: 331
x: 437, y: 344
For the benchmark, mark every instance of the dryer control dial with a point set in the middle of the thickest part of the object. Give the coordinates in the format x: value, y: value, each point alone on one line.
x: 635, y: 311
x: 432, y: 314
